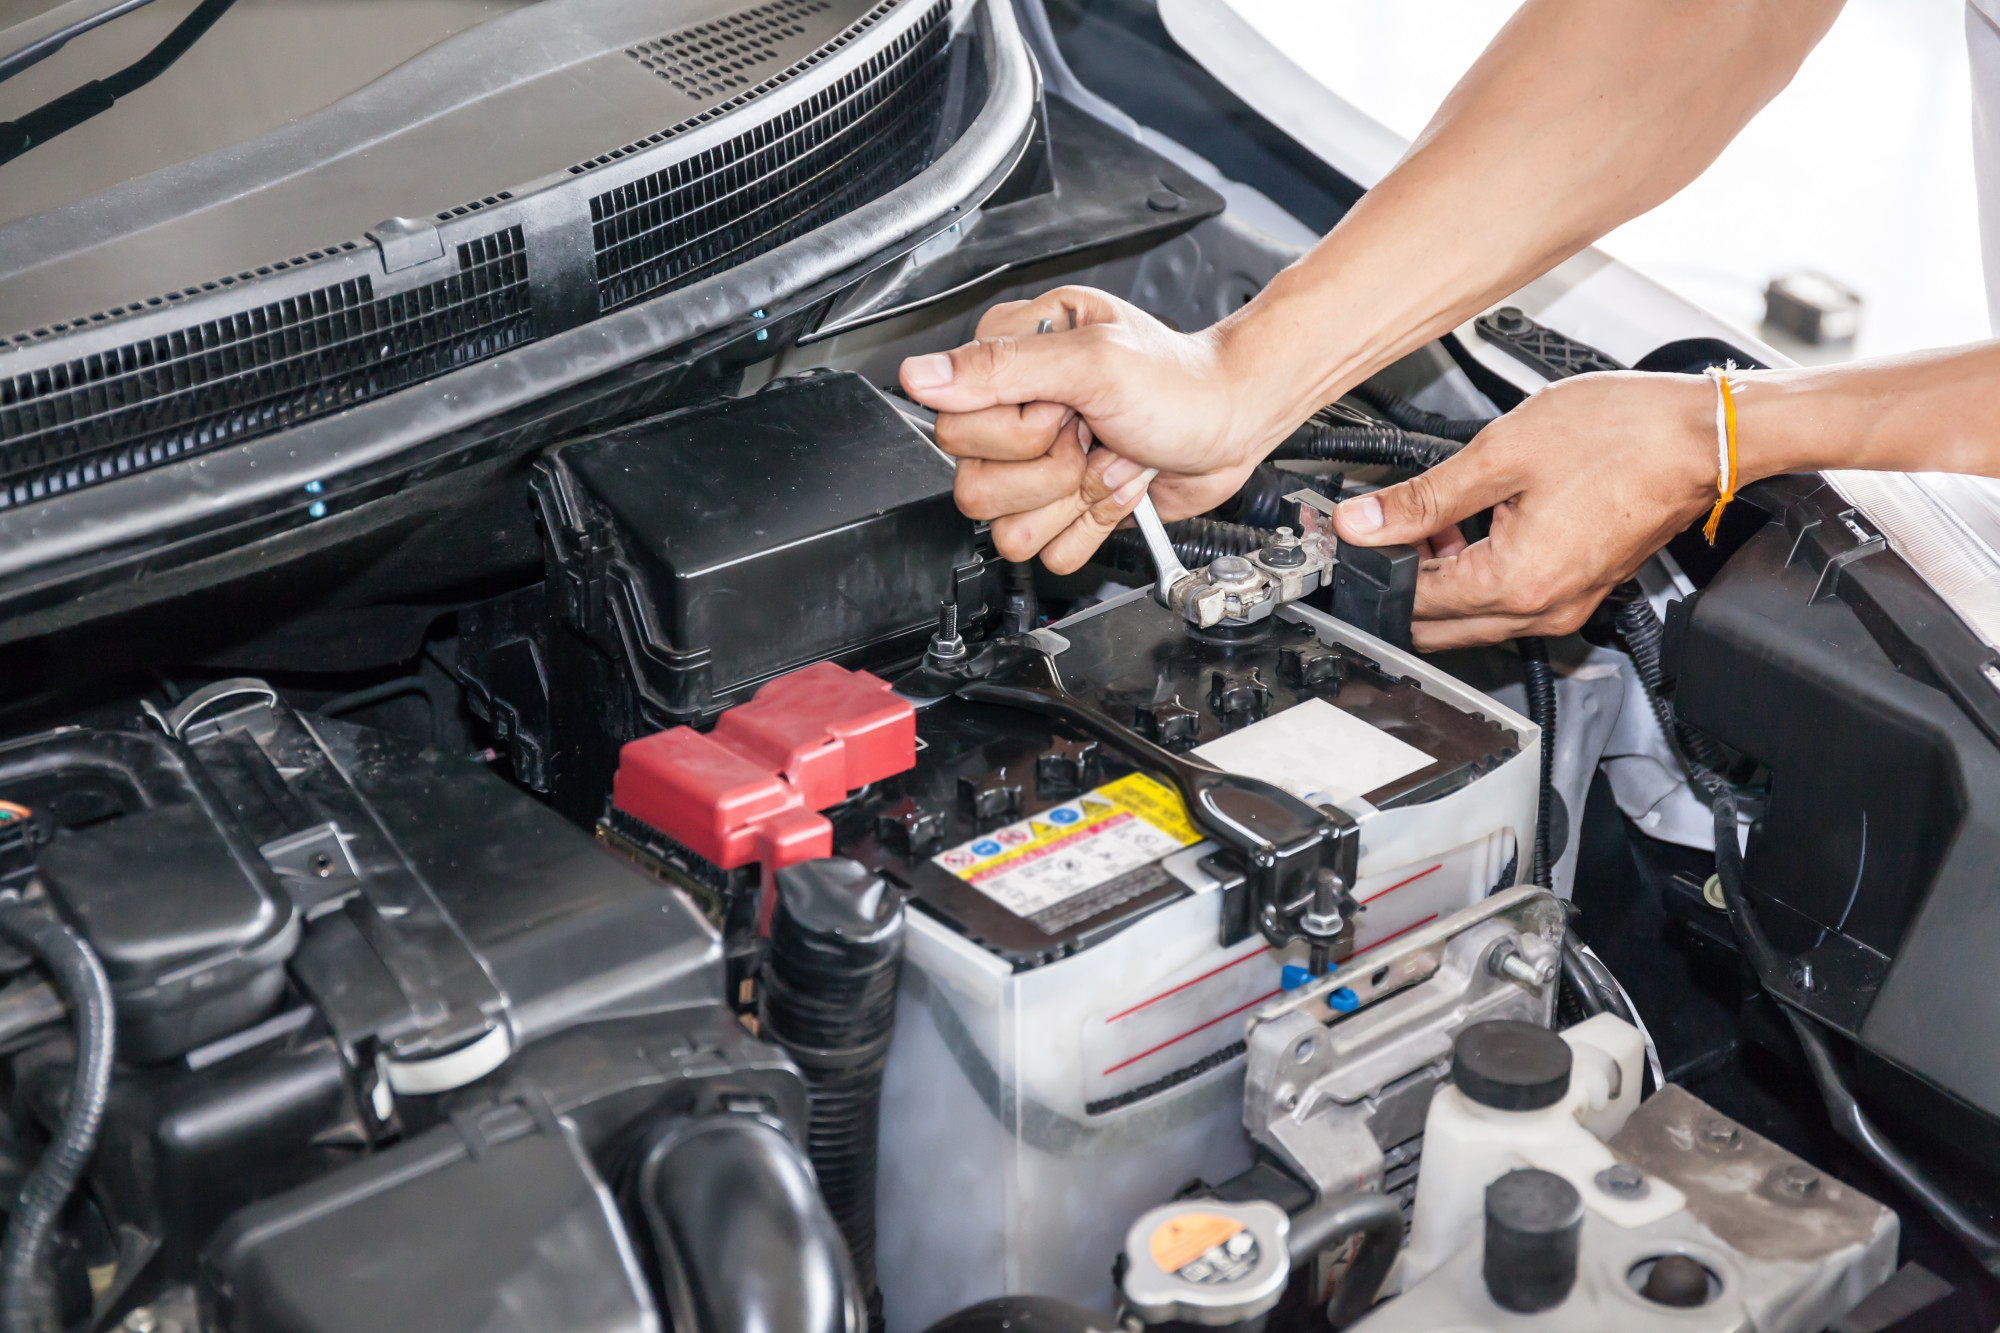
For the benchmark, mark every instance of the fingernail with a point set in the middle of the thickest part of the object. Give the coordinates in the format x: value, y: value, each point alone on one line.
x: 927, y: 372
x: 1363, y: 513
x: 1083, y: 433
x: 1120, y: 471
x: 1130, y: 492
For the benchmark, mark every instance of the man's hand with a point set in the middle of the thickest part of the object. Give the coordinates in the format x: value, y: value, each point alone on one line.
x: 1586, y: 479
x: 1055, y: 432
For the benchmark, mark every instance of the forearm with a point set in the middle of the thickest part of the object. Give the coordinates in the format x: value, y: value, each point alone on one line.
x: 1931, y: 412
x: 1580, y: 115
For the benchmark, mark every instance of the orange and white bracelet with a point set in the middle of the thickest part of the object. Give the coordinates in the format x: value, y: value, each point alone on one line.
x: 1725, y: 447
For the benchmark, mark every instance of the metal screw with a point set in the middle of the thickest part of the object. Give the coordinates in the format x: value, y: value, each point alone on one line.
x: 1304, y: 1050
x: 1623, y: 1181
x: 323, y: 865
x: 1288, y: 1098
x: 1798, y: 1181
x: 1507, y: 961
x: 1718, y: 1133
x: 141, y: 1320
x: 1803, y: 978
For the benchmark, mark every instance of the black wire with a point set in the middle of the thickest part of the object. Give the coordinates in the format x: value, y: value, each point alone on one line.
x: 1409, y: 416
x: 79, y: 104
x: 80, y: 978
x: 1644, y: 640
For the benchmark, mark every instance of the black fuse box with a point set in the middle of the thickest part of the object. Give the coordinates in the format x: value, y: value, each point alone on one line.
x: 729, y: 543
x: 695, y: 555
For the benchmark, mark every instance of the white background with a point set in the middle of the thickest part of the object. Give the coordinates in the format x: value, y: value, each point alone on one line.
x: 1861, y: 169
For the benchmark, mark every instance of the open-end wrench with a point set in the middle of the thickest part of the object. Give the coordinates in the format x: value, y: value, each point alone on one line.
x: 1167, y: 566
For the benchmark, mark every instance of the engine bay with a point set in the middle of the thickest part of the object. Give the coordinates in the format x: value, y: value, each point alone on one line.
x: 671, y: 872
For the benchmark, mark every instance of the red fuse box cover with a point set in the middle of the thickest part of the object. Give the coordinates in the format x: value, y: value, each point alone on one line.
x: 750, y: 789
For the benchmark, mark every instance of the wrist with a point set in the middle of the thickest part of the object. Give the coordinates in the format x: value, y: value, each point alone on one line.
x: 1289, y: 352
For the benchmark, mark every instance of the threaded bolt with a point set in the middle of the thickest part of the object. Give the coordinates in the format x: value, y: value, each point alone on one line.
x: 946, y: 645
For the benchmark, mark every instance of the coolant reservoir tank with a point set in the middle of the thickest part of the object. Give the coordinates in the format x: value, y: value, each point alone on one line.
x: 1523, y: 1097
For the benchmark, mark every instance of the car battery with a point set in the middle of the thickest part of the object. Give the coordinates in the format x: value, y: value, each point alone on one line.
x: 1069, y: 1040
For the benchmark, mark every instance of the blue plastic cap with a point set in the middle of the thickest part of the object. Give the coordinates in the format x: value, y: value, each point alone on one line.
x: 1291, y: 976
x: 1343, y: 1001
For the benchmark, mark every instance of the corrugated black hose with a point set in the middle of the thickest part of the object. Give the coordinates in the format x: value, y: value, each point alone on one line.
x: 829, y: 999
x: 80, y: 979
x: 1540, y: 683
x: 1644, y: 638
x: 1196, y: 541
x: 1337, y: 441
x: 1411, y: 417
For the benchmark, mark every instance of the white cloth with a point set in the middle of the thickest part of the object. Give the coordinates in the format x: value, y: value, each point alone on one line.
x: 1982, y: 41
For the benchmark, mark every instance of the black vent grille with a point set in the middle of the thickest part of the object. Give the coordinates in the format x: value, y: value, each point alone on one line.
x: 711, y: 58
x: 243, y: 375
x: 873, y: 130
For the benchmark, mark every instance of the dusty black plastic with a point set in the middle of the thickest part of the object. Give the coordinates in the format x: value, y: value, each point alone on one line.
x: 1510, y: 1065
x: 1534, y: 1228
x: 742, y: 1237
x: 189, y: 922
x: 499, y: 1225
x: 559, y: 383
x: 1818, y: 653
x: 1375, y: 590
x: 815, y: 503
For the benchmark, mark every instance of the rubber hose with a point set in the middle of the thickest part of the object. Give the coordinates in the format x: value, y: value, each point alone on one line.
x: 1842, y: 1107
x: 1540, y: 684
x: 1579, y: 978
x: 80, y: 979
x: 1644, y: 640
x: 829, y: 999
x: 1196, y: 541
x: 1378, y: 1220
x: 1411, y: 417
x: 1381, y: 446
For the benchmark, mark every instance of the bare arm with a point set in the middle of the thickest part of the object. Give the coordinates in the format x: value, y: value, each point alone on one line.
x: 1581, y: 114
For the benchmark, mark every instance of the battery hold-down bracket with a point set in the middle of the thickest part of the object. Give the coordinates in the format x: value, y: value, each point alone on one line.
x: 1298, y: 861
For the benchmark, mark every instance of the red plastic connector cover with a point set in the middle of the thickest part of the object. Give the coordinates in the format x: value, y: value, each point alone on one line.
x: 751, y: 789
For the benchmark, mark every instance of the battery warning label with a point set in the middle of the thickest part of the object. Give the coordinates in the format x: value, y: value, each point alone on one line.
x: 1077, y: 859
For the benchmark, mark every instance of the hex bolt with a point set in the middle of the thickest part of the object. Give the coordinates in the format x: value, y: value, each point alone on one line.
x: 946, y: 645
x: 1798, y: 1181
x: 1623, y: 1181
x: 1718, y: 1133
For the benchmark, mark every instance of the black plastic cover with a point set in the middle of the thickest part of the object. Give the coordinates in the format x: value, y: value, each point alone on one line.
x: 714, y: 548
x: 491, y: 1226
x: 187, y: 919
x: 1819, y: 653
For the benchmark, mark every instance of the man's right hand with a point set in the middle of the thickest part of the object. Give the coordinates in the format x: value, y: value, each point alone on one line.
x: 1054, y: 432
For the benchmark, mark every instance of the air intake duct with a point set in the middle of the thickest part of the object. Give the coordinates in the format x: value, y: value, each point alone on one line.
x: 829, y: 999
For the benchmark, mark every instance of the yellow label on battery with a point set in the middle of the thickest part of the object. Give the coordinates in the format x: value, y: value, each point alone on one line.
x: 1035, y: 864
